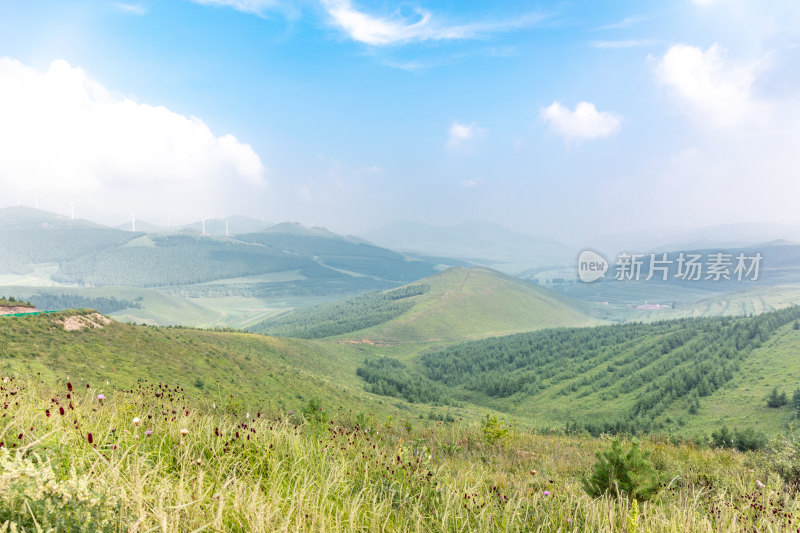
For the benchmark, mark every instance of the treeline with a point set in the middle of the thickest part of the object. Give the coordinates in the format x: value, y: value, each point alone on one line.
x: 389, y: 377
x: 341, y: 317
x: 10, y: 301
x: 58, y: 302
x: 652, y: 369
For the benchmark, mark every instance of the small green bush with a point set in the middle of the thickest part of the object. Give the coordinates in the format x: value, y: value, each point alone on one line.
x: 313, y: 412
x: 617, y: 472
x: 495, y: 432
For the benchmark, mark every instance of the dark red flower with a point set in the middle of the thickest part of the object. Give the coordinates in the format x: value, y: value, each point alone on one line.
x: 89, y: 438
x: 69, y: 387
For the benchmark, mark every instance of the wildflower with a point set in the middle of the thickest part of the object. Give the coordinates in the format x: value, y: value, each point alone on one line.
x: 87, y: 386
x: 759, y: 484
x: 47, y: 412
x: 101, y: 397
x: 533, y: 472
x: 247, y: 415
x: 547, y: 493
x: 89, y: 438
x: 61, y: 411
x: 137, y: 421
x: 184, y: 432
x: 69, y: 386
x: 148, y: 432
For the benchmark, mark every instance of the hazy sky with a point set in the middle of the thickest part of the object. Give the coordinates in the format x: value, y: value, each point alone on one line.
x: 556, y: 118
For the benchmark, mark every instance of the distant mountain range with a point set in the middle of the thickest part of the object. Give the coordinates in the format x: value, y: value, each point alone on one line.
x: 482, y: 243
x: 284, y: 259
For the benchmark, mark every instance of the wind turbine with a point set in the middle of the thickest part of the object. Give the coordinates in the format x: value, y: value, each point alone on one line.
x: 227, y: 233
x: 133, y: 222
x: 72, y: 210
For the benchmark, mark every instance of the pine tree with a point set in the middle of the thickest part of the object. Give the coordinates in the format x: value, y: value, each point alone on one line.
x: 776, y: 399
x: 630, y: 473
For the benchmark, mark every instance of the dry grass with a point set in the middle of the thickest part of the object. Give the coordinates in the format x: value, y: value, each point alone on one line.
x: 279, y: 473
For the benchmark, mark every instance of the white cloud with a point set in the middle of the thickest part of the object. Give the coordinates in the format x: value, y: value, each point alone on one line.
x: 715, y: 90
x: 459, y: 133
x: 470, y: 183
x: 748, y: 164
x: 417, y: 26
x: 131, y: 9
x: 585, y: 122
x: 62, y: 132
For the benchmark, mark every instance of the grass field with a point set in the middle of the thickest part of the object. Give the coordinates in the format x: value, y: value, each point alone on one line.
x: 242, y: 432
x: 150, y: 459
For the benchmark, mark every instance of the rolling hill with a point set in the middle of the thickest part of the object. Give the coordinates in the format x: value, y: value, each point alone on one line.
x: 460, y: 303
x: 262, y: 372
x: 682, y: 376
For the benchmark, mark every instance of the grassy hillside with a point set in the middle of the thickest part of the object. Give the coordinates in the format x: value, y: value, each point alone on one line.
x: 459, y: 303
x: 150, y: 458
x: 473, y: 303
x: 671, y: 376
x: 209, y: 365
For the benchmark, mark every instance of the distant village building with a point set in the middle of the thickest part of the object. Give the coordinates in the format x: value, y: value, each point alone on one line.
x: 647, y: 306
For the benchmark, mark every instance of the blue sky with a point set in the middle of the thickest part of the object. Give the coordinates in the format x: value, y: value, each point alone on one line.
x: 566, y: 119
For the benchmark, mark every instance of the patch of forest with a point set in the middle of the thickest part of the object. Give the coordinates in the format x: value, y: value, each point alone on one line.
x: 342, y: 317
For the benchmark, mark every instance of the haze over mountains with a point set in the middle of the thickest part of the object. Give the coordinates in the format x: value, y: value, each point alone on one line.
x: 180, y: 275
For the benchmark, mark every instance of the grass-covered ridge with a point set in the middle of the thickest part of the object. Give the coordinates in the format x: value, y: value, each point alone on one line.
x: 459, y: 303
x: 78, y: 458
x: 210, y: 365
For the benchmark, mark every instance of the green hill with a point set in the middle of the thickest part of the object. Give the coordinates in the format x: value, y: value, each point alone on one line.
x: 460, y: 303
x: 30, y: 236
x: 679, y: 376
x: 262, y: 372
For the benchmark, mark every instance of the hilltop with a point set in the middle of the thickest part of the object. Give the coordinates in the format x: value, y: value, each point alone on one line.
x: 460, y: 303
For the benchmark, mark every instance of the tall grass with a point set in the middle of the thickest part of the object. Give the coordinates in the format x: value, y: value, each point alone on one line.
x: 185, y: 468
